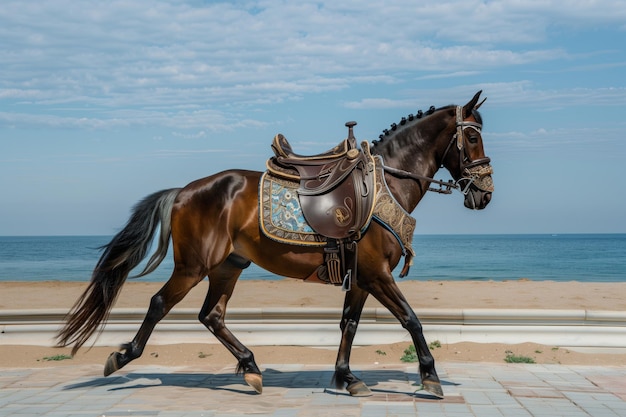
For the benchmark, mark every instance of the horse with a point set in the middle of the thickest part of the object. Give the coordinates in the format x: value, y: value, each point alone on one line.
x: 214, y: 227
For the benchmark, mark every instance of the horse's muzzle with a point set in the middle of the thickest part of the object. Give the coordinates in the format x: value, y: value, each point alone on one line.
x: 477, y: 199
x: 478, y: 194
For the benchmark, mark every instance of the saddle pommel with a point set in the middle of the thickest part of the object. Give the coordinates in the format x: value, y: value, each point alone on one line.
x: 351, y: 139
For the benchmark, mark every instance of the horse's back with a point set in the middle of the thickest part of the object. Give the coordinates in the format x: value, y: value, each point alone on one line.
x: 216, y: 188
x: 220, y: 201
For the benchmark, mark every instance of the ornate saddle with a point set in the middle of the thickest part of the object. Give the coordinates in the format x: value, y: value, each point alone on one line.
x: 336, y: 188
x: 328, y: 200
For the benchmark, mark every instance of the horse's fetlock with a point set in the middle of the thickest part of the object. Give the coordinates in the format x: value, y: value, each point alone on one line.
x: 247, y: 364
x: 427, y: 362
x: 131, y: 350
x: 342, y: 368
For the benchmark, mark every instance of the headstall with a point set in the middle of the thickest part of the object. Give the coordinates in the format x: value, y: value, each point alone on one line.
x: 476, y: 172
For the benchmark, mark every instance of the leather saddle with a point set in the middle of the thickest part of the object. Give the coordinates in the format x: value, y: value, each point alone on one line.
x: 336, y: 188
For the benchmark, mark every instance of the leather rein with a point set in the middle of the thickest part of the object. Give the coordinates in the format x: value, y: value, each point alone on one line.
x: 473, y: 171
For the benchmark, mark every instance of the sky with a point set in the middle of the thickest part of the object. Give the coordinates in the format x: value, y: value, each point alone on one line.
x: 103, y: 103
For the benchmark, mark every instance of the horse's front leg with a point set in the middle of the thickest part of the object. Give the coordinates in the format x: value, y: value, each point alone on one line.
x: 387, y: 292
x: 343, y: 377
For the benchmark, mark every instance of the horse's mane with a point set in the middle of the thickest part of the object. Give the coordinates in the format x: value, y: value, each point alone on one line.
x: 412, y: 119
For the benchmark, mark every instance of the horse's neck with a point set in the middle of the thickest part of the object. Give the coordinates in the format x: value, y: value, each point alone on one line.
x: 409, y: 192
x: 414, y: 154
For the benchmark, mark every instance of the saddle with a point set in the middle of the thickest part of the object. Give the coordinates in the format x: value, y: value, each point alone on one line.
x: 336, y: 188
x: 336, y: 193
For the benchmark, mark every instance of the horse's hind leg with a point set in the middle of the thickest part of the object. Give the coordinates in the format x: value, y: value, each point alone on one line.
x: 222, y: 282
x: 343, y: 377
x: 161, y: 303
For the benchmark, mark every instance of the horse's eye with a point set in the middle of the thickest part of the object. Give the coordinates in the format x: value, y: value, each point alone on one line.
x: 473, y: 138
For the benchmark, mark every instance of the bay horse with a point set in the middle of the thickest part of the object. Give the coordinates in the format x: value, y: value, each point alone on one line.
x: 214, y: 227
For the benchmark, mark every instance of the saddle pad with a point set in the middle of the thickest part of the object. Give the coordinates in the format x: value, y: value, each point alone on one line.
x: 280, y: 213
x: 281, y: 217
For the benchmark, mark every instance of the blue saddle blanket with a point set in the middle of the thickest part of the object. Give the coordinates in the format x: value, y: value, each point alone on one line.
x: 280, y: 213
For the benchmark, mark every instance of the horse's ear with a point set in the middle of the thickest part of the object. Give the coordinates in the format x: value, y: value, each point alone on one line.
x: 467, y: 109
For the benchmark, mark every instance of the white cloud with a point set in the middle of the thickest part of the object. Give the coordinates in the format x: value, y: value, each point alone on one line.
x: 566, y: 142
x: 518, y: 93
x: 187, y: 55
x: 528, y: 94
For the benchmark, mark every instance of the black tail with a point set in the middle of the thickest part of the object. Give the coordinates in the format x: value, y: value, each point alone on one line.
x: 125, y: 251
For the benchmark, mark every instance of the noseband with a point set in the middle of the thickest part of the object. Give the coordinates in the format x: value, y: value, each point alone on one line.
x: 476, y: 172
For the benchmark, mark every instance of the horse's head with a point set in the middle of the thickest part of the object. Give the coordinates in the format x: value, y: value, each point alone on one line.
x: 419, y: 145
x: 465, y: 157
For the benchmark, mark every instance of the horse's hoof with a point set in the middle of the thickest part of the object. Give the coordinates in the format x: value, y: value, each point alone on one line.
x: 111, y: 364
x: 433, y: 388
x: 359, y: 389
x: 255, y: 381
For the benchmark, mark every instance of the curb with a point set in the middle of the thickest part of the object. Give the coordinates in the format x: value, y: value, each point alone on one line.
x: 584, y: 330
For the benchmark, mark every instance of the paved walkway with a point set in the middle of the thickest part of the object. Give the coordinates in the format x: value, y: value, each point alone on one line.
x: 472, y: 389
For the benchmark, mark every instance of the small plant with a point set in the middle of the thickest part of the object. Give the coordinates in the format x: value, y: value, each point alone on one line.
x: 554, y: 349
x: 435, y: 344
x: 203, y: 355
x: 410, y: 355
x: 61, y: 357
x: 381, y: 352
x: 513, y: 358
x: 538, y: 351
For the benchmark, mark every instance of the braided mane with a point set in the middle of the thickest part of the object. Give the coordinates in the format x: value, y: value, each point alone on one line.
x: 408, y: 120
x: 411, y: 119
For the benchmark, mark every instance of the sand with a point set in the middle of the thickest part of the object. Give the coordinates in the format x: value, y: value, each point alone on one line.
x: 292, y: 293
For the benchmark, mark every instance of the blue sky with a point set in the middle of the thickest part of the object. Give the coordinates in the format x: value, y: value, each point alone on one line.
x: 102, y: 103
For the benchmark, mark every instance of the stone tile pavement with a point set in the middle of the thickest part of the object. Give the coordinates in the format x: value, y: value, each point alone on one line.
x: 472, y: 389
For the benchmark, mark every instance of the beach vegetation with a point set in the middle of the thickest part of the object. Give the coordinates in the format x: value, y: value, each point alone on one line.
x: 434, y: 344
x: 381, y: 352
x: 203, y: 355
x: 513, y: 358
x: 410, y: 355
x: 61, y: 357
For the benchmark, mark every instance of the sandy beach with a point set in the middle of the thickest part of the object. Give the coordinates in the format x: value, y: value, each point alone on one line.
x: 292, y: 293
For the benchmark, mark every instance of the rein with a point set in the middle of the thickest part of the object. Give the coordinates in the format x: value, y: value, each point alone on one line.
x: 445, y: 187
x: 475, y: 171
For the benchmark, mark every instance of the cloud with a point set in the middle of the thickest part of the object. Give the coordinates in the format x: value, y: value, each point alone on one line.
x: 518, y: 93
x: 563, y: 142
x: 123, y: 63
x: 527, y: 93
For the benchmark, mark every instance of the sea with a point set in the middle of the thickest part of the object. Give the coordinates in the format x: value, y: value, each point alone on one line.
x: 538, y: 257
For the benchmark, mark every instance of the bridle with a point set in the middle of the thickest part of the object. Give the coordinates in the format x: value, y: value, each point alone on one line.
x: 476, y: 172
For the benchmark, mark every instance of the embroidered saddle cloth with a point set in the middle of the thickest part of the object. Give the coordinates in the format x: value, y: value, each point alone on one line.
x: 282, y: 218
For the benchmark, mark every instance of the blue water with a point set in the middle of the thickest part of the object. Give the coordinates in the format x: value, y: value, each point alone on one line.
x: 569, y: 257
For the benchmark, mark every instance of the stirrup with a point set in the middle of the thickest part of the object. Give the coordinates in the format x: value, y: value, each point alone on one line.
x: 347, y: 281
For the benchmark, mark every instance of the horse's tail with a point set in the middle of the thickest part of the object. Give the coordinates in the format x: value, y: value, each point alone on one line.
x: 125, y: 251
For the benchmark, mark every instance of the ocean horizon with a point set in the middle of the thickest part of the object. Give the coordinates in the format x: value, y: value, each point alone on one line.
x: 497, y: 257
